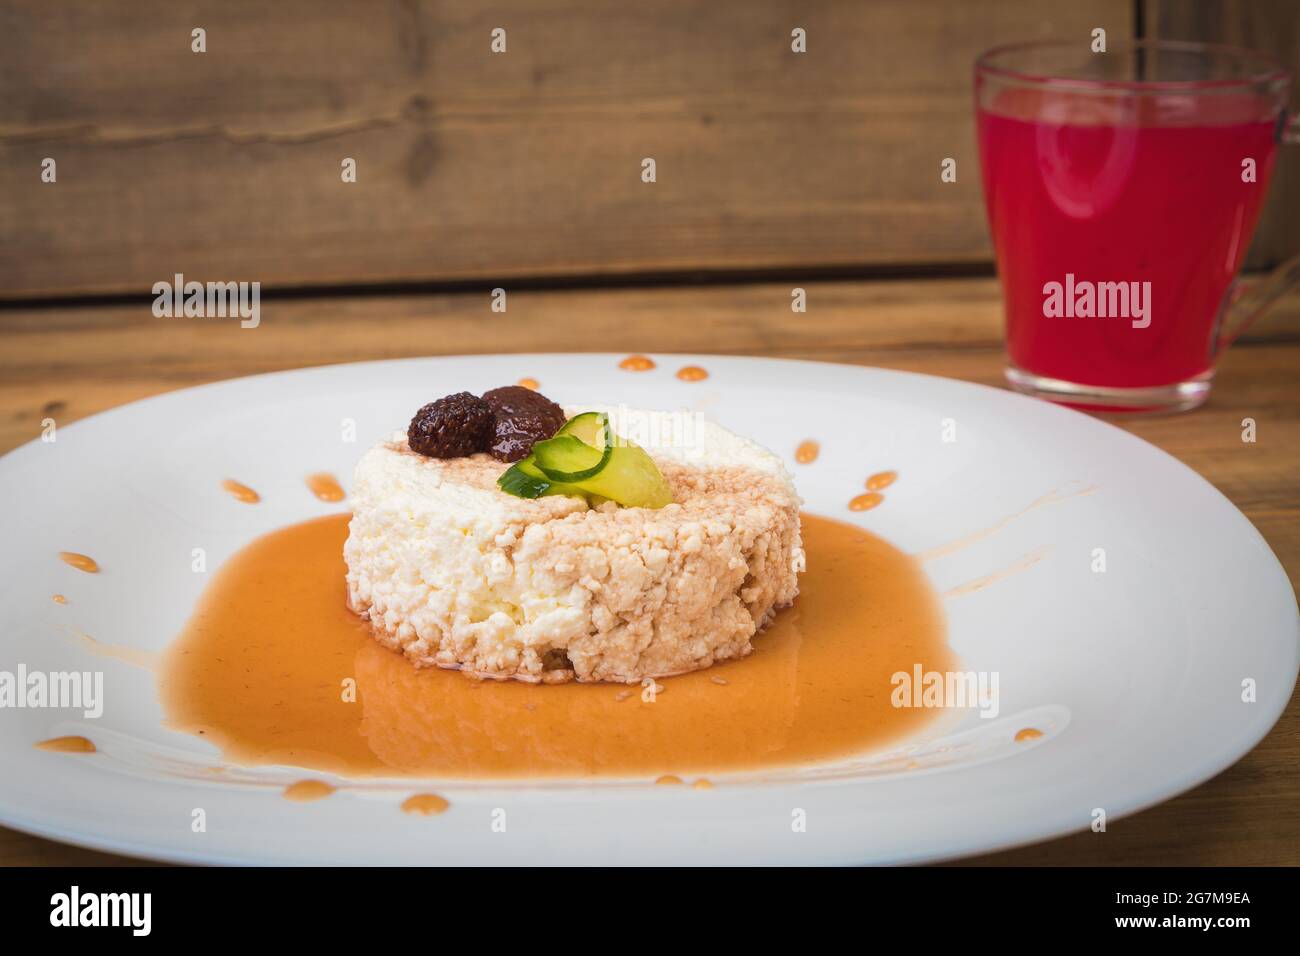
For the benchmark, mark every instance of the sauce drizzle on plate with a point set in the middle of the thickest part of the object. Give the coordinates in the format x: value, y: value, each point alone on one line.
x: 67, y: 745
x: 263, y: 664
x: 881, y: 480
x: 325, y: 487
x: 81, y: 562
x: 425, y: 804
x: 307, y: 790
x: 240, y: 492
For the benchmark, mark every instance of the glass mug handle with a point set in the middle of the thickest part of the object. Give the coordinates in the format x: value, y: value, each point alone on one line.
x: 1246, y: 302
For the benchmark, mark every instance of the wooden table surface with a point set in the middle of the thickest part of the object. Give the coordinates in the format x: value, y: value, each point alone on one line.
x: 67, y: 363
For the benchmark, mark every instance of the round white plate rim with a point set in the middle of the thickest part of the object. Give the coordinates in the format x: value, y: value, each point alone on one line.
x: 1028, y: 834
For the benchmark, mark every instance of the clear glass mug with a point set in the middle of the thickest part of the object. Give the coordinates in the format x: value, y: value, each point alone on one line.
x: 1122, y: 191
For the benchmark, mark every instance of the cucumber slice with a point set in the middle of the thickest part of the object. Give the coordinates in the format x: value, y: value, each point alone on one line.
x: 631, y: 478
x: 589, y: 427
x: 583, y: 459
x: 516, y: 481
x: 524, y: 479
x: 579, y: 450
x: 567, y: 459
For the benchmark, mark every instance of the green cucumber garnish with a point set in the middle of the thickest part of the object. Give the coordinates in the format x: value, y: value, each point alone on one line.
x: 590, y: 427
x: 584, y: 459
x: 515, y: 481
x: 524, y: 479
x: 631, y: 478
x: 579, y: 450
x: 565, y: 458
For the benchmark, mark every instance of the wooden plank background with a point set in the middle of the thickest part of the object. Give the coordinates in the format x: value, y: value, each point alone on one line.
x: 226, y: 165
x: 1272, y: 26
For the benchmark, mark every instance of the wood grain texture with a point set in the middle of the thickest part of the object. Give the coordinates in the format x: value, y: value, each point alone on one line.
x: 70, y: 363
x: 1271, y: 26
x: 226, y: 165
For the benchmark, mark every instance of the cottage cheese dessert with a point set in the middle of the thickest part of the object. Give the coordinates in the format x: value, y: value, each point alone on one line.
x: 455, y: 572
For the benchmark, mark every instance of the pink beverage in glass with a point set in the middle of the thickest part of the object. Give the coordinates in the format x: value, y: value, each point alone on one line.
x: 1120, y: 217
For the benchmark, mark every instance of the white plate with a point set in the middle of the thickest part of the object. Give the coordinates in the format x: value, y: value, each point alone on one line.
x: 1135, y: 675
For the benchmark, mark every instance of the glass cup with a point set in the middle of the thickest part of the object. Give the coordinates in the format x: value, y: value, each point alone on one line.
x: 1122, y: 190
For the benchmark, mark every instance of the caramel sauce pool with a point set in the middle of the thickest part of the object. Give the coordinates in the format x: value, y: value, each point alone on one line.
x: 265, y: 668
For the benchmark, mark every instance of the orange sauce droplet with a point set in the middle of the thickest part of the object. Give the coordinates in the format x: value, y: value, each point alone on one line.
x: 703, y: 784
x: 881, y: 480
x: 242, y: 492
x: 427, y: 804
x: 1029, y: 733
x: 67, y: 745
x: 807, y: 452
x: 692, y: 373
x: 59, y: 599
x: 305, y: 790
x: 79, y: 561
x: 530, y: 383
x: 325, y: 487
x: 866, y: 502
x: 637, y: 363
x: 669, y: 779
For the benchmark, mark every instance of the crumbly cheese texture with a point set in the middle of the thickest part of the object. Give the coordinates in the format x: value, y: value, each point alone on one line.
x: 455, y: 573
